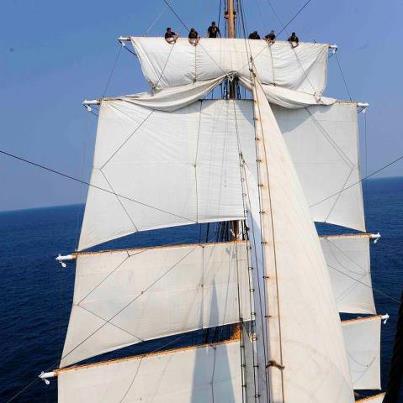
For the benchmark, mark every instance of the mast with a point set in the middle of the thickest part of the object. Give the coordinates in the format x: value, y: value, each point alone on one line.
x: 230, y: 18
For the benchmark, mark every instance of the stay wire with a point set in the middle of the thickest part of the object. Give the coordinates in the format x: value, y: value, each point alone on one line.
x: 83, y: 182
x: 343, y: 77
x: 108, y: 82
x: 176, y: 14
x: 359, y: 181
x: 295, y: 16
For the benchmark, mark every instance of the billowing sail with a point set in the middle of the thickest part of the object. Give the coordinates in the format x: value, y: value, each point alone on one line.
x: 347, y: 257
x: 140, y: 153
x: 306, y: 357
x: 363, y: 342
x: 205, y: 374
x: 128, y: 296
x: 323, y: 142
x: 302, y: 69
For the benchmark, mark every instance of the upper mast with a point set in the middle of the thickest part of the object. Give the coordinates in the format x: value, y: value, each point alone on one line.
x: 230, y: 17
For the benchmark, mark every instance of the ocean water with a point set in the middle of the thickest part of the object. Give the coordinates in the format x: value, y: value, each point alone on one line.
x: 36, y: 293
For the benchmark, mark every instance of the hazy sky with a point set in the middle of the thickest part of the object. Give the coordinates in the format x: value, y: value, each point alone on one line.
x: 53, y: 54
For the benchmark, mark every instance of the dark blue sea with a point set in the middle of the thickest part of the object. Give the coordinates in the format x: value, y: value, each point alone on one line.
x: 36, y: 293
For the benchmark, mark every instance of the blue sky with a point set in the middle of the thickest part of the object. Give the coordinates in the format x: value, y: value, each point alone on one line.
x: 54, y: 54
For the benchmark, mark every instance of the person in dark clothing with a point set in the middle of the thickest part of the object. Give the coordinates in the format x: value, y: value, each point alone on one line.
x: 254, y: 35
x: 294, y: 40
x: 213, y: 31
x: 170, y: 36
x: 270, y: 37
x: 193, y: 37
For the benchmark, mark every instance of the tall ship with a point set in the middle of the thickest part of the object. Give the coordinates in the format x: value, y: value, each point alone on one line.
x: 234, y: 133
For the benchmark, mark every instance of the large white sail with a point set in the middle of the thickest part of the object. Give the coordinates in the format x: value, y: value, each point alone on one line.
x: 166, y: 169
x: 141, y: 152
x: 348, y: 260
x: 306, y: 357
x: 129, y: 296
x: 205, y: 374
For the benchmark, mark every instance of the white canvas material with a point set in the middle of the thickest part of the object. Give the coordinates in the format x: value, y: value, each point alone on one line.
x: 207, y: 374
x: 140, y: 154
x: 363, y: 344
x: 129, y: 296
x: 164, y: 65
x: 323, y: 142
x: 303, y: 336
x: 348, y: 260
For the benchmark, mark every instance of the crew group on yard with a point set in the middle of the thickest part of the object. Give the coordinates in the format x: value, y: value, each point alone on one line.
x: 213, y: 31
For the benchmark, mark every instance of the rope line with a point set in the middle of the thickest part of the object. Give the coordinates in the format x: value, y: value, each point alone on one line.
x: 112, y: 71
x: 359, y: 181
x: 366, y: 285
x: 84, y: 182
x: 343, y: 77
x: 128, y: 304
x: 176, y: 14
x: 294, y: 17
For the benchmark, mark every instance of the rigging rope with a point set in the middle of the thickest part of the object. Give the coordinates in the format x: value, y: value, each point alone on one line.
x: 176, y: 14
x: 84, y: 182
x: 343, y: 76
x: 361, y: 180
x: 295, y: 16
x: 112, y: 71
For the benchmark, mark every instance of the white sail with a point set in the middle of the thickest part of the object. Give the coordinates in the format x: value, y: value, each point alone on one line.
x: 165, y: 169
x: 306, y: 357
x: 363, y: 342
x: 348, y: 260
x: 125, y: 297
x: 302, y: 69
x: 141, y: 152
x: 323, y: 142
x: 206, y: 374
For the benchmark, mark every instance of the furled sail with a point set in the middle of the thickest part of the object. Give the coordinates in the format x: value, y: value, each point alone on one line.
x: 301, y: 70
x: 323, y: 142
x: 348, y: 259
x: 306, y: 357
x: 363, y: 342
x: 128, y: 296
x: 208, y: 374
x: 141, y: 152
x: 164, y: 65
